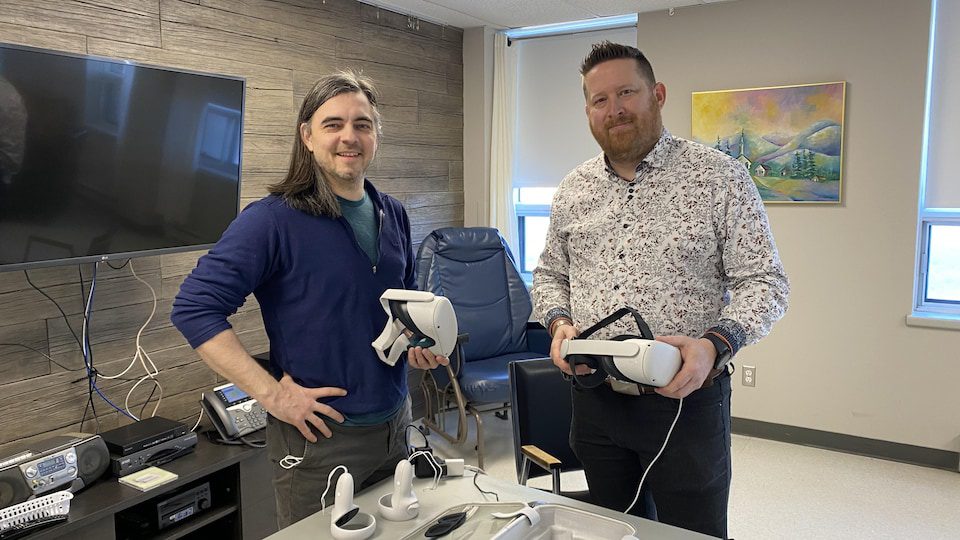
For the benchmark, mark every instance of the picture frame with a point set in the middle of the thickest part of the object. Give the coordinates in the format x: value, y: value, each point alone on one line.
x: 790, y: 138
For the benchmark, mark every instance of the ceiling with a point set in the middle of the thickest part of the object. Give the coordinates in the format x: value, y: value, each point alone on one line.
x: 502, y: 14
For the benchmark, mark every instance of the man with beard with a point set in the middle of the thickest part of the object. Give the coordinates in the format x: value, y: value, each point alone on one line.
x: 678, y: 231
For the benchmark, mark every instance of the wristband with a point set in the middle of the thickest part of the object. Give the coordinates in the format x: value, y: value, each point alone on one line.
x: 560, y: 321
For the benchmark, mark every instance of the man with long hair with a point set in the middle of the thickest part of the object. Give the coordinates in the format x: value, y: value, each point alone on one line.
x: 317, y: 253
x: 678, y: 231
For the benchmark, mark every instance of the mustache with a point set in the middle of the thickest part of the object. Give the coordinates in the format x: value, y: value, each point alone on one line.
x: 620, y: 120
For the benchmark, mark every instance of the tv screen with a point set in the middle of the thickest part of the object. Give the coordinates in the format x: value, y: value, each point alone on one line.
x: 103, y: 159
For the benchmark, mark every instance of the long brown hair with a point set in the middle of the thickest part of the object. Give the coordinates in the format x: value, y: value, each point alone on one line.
x: 304, y: 187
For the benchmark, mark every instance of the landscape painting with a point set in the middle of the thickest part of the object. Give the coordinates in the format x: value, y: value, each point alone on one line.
x: 790, y: 138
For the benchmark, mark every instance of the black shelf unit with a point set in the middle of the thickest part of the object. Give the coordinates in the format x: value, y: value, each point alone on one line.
x: 239, y: 478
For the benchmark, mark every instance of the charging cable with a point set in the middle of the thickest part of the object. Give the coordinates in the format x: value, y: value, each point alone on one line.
x: 432, y: 461
x: 477, y: 471
x: 655, y: 458
x: 291, y: 461
x: 323, y: 498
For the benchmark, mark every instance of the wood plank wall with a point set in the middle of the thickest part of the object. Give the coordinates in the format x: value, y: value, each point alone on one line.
x: 281, y: 47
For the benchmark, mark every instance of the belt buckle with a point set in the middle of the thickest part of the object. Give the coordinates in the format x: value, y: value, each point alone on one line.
x: 645, y: 390
x: 629, y: 388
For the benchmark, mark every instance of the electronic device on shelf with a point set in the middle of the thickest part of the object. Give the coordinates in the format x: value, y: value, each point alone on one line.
x: 70, y: 461
x: 233, y: 412
x: 183, y: 505
x: 167, y: 511
x: 143, y: 434
x: 147, y: 443
x: 153, y: 456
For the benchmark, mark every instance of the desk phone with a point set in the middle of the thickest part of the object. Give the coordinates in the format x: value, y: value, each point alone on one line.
x: 233, y: 412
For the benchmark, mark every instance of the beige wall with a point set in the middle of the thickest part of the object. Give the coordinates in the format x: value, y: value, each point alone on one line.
x: 842, y: 360
x: 477, y: 119
x: 280, y: 47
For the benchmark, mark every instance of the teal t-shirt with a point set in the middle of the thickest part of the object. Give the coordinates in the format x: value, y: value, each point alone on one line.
x: 362, y: 217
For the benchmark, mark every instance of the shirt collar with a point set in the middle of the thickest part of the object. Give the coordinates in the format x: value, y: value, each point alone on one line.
x: 656, y: 158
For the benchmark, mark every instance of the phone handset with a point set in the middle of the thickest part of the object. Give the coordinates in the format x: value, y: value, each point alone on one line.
x: 233, y: 412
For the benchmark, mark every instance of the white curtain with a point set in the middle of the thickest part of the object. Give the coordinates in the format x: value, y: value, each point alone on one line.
x: 501, y: 144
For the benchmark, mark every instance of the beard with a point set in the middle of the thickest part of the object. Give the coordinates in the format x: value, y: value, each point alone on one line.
x: 631, y: 142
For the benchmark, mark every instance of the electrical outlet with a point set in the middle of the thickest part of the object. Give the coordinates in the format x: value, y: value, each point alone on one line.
x: 749, y: 375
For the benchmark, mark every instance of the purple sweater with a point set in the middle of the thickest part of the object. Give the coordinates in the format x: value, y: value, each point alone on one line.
x: 318, y: 294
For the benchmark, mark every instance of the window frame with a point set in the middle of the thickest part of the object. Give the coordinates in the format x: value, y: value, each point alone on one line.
x: 921, y: 305
x: 523, y: 211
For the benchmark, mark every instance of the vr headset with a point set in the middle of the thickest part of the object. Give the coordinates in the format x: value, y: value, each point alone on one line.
x: 629, y: 358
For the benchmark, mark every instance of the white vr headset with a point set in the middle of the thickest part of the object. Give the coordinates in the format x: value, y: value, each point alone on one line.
x: 643, y: 361
x: 628, y: 358
x: 430, y: 319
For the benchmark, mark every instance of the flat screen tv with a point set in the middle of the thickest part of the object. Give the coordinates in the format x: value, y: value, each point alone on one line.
x: 103, y: 159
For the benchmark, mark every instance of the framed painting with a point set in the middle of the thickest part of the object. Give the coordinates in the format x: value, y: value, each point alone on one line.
x: 790, y: 138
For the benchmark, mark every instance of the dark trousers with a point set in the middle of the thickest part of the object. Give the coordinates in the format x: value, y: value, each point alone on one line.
x: 616, y: 436
x: 370, y: 454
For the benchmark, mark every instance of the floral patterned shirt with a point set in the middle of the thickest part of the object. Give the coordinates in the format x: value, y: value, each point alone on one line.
x: 686, y: 242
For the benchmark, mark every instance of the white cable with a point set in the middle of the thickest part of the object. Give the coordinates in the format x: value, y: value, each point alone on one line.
x: 434, y: 464
x: 290, y: 461
x: 323, y: 498
x: 655, y: 458
x: 141, y: 354
x: 199, y: 418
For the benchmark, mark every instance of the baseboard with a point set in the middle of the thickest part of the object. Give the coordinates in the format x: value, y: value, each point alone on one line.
x: 904, y: 453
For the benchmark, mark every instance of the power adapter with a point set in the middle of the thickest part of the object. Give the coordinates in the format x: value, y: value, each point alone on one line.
x: 423, y: 467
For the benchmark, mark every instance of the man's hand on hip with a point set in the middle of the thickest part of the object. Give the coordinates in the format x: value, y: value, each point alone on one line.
x: 562, y: 332
x: 298, y: 406
x: 698, y: 356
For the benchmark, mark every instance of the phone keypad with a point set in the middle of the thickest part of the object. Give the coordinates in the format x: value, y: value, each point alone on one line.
x: 251, y: 417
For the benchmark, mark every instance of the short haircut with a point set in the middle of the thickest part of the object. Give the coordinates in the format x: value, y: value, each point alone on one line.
x: 607, y: 50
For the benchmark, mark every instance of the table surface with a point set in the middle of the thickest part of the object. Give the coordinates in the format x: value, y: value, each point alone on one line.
x: 460, y: 490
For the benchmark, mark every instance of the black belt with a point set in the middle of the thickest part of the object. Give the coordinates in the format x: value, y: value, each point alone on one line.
x: 642, y: 389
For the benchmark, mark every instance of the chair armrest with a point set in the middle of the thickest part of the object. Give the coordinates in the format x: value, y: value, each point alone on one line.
x: 538, y: 340
x: 539, y: 457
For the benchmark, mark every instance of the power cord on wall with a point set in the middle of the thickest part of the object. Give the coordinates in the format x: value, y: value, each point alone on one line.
x: 141, y: 354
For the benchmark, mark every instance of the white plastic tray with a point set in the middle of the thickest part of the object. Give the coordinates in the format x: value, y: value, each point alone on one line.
x: 559, y: 522
x: 55, y: 504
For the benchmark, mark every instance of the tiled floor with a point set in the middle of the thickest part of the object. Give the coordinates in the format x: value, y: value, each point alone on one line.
x: 785, y: 491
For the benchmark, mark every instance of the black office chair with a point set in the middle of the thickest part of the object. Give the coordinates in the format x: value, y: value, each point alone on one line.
x: 475, y: 270
x: 541, y: 423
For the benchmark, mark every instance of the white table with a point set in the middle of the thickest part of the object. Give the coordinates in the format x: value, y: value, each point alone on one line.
x: 460, y: 490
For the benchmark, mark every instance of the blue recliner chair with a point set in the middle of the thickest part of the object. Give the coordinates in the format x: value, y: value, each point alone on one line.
x: 474, y: 269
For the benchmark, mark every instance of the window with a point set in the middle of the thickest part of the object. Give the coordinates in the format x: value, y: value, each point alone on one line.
x: 552, y: 135
x: 937, y: 290
x: 940, y: 265
x: 532, y: 206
